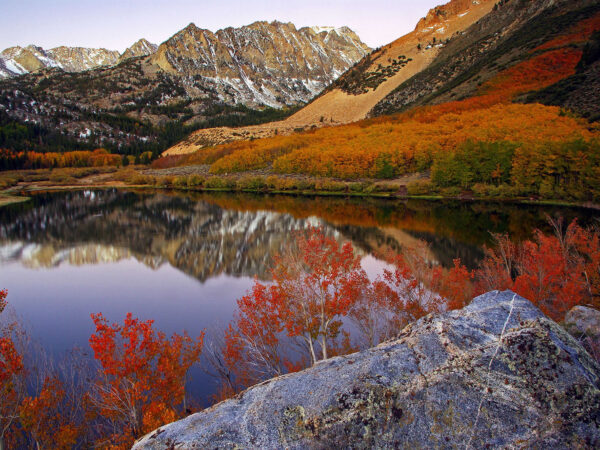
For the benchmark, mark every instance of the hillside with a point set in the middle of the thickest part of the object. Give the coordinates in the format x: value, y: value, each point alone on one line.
x: 358, y: 91
x: 546, y: 35
x: 196, y: 79
x: 463, y: 123
x: 352, y: 96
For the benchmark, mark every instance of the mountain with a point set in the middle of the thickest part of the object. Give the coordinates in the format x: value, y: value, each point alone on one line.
x: 18, y: 60
x: 271, y: 64
x: 140, y: 48
x: 369, y: 81
x: 196, y: 79
x: 15, y: 61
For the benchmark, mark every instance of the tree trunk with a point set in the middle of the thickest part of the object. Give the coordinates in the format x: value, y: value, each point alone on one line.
x: 1, y: 442
x: 313, y: 357
x: 324, y: 345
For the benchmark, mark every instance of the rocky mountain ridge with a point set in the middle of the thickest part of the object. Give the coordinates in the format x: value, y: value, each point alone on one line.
x: 264, y: 63
x: 15, y: 61
x: 196, y: 79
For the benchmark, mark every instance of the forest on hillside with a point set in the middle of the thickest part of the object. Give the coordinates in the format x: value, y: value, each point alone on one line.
x: 488, y: 143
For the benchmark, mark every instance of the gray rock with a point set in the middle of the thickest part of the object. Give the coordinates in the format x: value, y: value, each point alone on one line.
x: 583, y: 321
x: 497, y: 373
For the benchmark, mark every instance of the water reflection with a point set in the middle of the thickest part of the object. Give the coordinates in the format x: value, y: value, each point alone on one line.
x: 208, y: 235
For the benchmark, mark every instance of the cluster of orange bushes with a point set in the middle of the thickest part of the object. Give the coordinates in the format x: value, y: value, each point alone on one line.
x: 576, y: 34
x: 384, y: 149
x: 536, y: 73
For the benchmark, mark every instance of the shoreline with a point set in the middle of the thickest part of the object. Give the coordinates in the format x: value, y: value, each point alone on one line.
x: 6, y: 200
x: 19, y: 194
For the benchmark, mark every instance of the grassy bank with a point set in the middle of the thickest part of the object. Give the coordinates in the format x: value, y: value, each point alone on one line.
x: 11, y: 199
x: 16, y: 184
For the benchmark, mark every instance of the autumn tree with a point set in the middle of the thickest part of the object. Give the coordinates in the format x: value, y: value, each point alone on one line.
x: 3, y: 302
x: 296, y: 320
x: 143, y: 375
x: 253, y: 346
x: 12, y: 372
x: 317, y: 285
x: 40, y: 418
x: 412, y: 288
x: 555, y: 271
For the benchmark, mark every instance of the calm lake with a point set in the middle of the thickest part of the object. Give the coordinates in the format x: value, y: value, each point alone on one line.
x: 183, y: 260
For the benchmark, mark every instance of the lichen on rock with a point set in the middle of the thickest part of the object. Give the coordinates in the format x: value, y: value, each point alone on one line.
x: 497, y: 373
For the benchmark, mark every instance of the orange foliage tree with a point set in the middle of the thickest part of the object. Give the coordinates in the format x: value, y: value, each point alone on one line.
x: 255, y: 339
x: 39, y: 417
x: 143, y: 375
x: 11, y: 378
x: 3, y: 302
x: 555, y: 272
x: 412, y: 288
x: 316, y: 285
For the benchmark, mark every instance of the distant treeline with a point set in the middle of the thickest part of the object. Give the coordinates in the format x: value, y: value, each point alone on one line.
x: 100, y: 157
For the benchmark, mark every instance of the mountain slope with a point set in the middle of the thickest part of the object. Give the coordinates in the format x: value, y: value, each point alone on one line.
x: 419, y: 48
x: 518, y: 31
x: 354, y: 94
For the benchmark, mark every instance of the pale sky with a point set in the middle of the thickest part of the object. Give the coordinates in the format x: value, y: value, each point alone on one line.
x: 116, y: 24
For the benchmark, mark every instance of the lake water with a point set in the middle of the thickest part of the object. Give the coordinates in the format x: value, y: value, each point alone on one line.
x: 183, y: 260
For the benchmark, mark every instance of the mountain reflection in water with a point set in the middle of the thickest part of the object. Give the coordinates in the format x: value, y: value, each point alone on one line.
x: 208, y: 235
